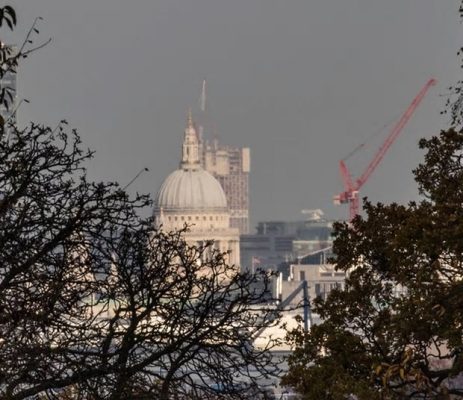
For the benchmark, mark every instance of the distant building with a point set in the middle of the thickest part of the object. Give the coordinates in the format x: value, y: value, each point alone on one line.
x: 191, y: 195
x: 277, y: 242
x: 321, y: 280
x: 231, y: 167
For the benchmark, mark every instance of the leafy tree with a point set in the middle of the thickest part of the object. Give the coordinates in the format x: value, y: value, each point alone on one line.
x: 95, y: 303
x: 454, y: 103
x: 396, y: 331
x: 10, y: 57
x: 52, y: 222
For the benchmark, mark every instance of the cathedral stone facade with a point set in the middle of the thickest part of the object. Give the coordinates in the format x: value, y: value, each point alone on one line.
x: 190, y: 195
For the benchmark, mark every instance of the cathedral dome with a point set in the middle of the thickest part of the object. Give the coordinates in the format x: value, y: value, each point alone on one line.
x: 192, y: 198
x: 191, y: 189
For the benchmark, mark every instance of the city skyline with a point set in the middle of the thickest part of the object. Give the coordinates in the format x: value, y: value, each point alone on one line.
x: 301, y: 84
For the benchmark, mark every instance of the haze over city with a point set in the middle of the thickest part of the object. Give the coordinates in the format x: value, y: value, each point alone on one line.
x: 301, y: 83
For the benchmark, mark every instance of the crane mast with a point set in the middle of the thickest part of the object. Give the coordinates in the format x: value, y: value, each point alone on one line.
x: 202, y: 107
x: 351, y: 187
x: 203, y: 97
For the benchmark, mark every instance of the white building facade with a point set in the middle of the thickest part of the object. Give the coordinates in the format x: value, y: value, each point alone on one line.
x: 190, y: 195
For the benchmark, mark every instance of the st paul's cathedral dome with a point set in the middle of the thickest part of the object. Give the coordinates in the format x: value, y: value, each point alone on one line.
x: 190, y: 195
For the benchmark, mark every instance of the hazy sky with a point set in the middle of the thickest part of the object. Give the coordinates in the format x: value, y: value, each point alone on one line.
x: 301, y: 82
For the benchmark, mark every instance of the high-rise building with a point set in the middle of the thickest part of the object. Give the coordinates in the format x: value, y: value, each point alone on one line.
x: 231, y: 167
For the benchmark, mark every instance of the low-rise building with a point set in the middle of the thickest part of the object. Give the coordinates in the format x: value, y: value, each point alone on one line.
x: 277, y: 242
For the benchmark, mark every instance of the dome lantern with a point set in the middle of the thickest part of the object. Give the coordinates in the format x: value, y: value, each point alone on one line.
x: 190, y: 187
x: 190, y: 149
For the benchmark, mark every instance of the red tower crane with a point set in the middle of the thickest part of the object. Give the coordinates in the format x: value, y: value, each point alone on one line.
x: 352, y: 187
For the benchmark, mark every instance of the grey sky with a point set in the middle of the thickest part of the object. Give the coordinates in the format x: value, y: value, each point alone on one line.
x: 301, y: 82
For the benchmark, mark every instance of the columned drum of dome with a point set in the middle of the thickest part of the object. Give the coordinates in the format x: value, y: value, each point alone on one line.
x: 191, y: 195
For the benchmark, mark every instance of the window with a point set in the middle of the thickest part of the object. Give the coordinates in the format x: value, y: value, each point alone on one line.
x: 302, y: 275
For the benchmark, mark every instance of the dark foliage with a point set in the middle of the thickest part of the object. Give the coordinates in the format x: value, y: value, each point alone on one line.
x: 93, y: 298
x: 396, y: 331
x: 95, y: 303
x: 454, y: 102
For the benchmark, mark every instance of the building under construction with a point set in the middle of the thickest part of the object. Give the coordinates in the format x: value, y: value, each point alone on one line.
x: 231, y: 167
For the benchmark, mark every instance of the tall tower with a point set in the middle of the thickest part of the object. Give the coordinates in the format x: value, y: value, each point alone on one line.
x: 231, y: 167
